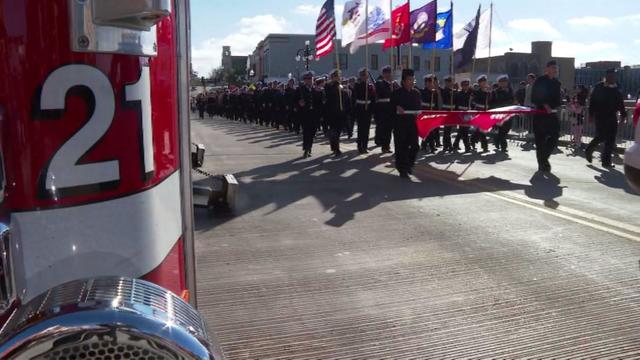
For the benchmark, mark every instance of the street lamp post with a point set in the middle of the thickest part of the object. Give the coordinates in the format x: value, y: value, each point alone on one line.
x: 305, y: 55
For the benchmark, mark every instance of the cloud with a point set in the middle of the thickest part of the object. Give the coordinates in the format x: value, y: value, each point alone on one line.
x: 208, y: 54
x: 634, y: 18
x: 637, y: 41
x: 584, y: 52
x: 590, y: 21
x: 307, y: 9
x: 539, y: 26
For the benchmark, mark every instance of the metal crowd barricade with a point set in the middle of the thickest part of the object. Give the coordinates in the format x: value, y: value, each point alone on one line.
x: 522, y: 129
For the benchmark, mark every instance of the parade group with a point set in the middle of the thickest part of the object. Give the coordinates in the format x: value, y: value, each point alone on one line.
x: 333, y: 107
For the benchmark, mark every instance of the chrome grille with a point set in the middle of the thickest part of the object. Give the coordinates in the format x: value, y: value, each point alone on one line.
x: 106, y: 318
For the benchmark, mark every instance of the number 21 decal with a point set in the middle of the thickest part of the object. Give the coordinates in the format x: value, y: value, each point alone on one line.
x: 65, y: 175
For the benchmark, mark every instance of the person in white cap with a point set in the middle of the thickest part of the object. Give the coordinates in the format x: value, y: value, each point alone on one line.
x: 501, y: 97
x: 463, y: 103
x: 448, y: 103
x: 480, y: 102
x: 430, y: 96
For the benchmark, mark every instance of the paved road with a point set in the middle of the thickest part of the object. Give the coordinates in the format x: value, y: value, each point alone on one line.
x: 475, y: 257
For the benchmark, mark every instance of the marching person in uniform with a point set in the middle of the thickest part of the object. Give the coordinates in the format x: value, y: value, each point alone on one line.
x: 463, y: 102
x: 363, y: 94
x: 546, y: 95
x: 430, y: 97
x: 290, y: 108
x: 605, y: 104
x: 335, y: 111
x: 351, y: 121
x: 405, y: 135
x: 501, y: 97
x: 384, y: 112
x: 480, y: 102
x: 308, y: 103
x: 448, y: 103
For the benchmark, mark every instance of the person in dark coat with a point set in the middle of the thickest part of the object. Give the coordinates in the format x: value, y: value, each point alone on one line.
x: 363, y: 95
x: 383, y: 111
x: 605, y: 104
x: 430, y: 100
x: 308, y: 102
x: 546, y: 95
x: 334, y: 110
x: 501, y: 97
x: 405, y: 133
x: 448, y: 103
x: 463, y: 102
x: 480, y: 100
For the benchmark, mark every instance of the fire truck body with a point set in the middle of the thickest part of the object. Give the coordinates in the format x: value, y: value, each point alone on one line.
x: 95, y: 163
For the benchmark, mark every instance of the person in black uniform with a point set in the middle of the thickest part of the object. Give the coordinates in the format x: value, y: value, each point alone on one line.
x: 501, y: 97
x: 546, y: 95
x: 308, y: 103
x: 463, y: 102
x: 334, y: 111
x: 289, y: 105
x: 430, y: 97
x: 480, y: 99
x: 405, y: 133
x: 448, y: 103
x: 201, y: 104
x: 351, y: 120
x: 384, y: 112
x: 363, y: 95
x: 605, y: 103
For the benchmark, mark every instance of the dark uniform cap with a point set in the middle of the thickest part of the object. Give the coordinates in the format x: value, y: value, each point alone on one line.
x: 448, y: 78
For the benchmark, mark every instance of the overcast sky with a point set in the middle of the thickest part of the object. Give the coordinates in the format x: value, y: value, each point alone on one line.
x: 589, y: 30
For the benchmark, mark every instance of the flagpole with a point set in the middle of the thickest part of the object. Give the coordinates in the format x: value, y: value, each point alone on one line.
x: 410, y: 39
x: 451, y: 67
x: 366, y: 53
x: 337, y: 51
x: 490, y: 31
x: 393, y: 66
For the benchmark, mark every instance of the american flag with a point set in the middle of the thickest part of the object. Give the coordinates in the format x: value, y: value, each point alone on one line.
x: 325, y: 29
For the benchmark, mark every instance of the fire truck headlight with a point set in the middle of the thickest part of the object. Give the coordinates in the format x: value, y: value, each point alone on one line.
x: 120, y: 317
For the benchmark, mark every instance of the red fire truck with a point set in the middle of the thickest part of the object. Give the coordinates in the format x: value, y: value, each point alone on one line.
x: 96, y: 243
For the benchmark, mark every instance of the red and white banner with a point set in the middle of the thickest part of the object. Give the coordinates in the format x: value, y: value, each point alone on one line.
x: 427, y: 121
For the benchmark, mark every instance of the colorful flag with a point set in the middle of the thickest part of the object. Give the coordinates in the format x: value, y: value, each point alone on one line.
x: 423, y: 23
x: 358, y: 32
x: 465, y: 41
x: 444, y: 32
x: 401, y: 31
x: 484, y: 31
x: 325, y: 29
x: 352, y: 19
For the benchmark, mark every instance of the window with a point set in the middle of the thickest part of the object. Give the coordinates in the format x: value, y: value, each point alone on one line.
x: 405, y: 61
x: 374, y: 62
x: 427, y: 65
x: 343, y: 62
x: 416, y: 63
x: 436, y: 65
